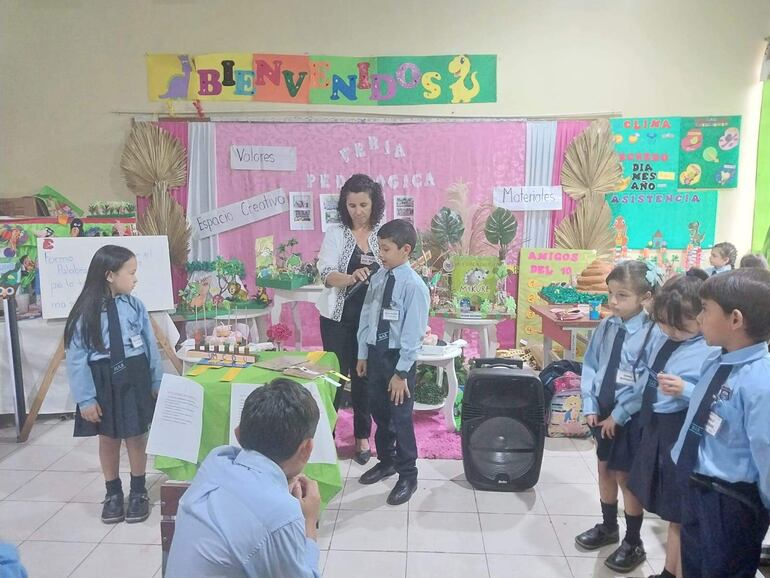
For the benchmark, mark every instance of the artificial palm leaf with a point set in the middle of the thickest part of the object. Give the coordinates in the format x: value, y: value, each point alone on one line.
x: 447, y: 228
x: 152, y: 156
x: 458, y: 200
x: 477, y: 240
x: 164, y: 216
x: 591, y: 164
x: 500, y: 230
x: 588, y: 227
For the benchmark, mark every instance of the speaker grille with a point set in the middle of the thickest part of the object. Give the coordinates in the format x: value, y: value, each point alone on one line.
x: 502, y: 449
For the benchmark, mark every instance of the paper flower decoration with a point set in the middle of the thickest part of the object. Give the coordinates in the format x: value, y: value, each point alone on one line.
x: 278, y: 333
x: 654, y: 275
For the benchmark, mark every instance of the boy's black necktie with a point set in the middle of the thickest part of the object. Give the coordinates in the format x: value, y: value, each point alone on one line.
x: 609, y: 382
x: 688, y: 457
x: 650, y: 394
x: 117, y: 351
x: 383, y: 326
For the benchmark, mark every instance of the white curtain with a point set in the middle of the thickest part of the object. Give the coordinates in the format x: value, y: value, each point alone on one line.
x: 541, y: 143
x: 202, y: 196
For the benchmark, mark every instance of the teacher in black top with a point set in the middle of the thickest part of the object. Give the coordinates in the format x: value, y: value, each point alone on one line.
x: 348, y: 253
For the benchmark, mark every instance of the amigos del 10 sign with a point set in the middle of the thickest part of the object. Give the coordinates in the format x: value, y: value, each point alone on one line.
x: 311, y: 79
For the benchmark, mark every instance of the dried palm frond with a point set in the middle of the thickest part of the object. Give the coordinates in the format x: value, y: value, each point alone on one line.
x: 152, y: 156
x: 164, y: 216
x: 588, y: 227
x: 591, y: 164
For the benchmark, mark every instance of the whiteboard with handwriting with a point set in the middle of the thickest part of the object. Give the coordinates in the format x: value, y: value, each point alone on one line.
x: 63, y: 264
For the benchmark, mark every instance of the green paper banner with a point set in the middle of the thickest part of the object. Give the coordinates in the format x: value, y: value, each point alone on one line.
x: 709, y: 149
x: 649, y: 152
x: 641, y: 216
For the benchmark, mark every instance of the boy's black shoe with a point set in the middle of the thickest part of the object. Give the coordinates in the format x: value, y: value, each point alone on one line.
x: 626, y: 557
x: 402, y: 492
x: 112, y: 511
x: 377, y: 473
x: 138, y: 507
x: 597, y: 537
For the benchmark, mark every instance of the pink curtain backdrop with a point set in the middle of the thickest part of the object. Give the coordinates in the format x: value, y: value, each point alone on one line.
x: 566, y: 131
x: 179, y: 130
x: 420, y: 160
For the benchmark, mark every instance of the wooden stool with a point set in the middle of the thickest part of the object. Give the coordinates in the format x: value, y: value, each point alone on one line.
x: 170, y: 494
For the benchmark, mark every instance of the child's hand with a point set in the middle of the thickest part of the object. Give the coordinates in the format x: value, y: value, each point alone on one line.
x: 397, y: 388
x: 608, y: 428
x: 670, y: 384
x: 92, y: 413
x: 361, y: 368
x: 592, y: 420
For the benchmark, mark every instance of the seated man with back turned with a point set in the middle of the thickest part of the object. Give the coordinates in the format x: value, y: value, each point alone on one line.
x: 249, y: 512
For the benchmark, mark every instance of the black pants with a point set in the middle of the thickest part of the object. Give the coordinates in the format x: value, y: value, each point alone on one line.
x: 721, y: 536
x: 394, y: 438
x: 340, y: 337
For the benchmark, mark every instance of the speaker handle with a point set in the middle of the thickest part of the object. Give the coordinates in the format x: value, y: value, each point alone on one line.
x: 498, y: 361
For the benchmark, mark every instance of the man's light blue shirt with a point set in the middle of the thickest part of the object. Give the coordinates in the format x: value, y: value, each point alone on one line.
x: 238, y: 519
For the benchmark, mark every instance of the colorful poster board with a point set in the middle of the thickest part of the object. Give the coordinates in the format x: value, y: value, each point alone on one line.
x: 321, y: 79
x: 538, y: 268
x: 474, y: 278
x: 761, y: 237
x: 709, y: 149
x: 649, y: 152
x: 672, y: 214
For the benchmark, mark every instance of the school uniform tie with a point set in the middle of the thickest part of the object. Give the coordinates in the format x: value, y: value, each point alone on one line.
x: 650, y: 394
x: 117, y: 351
x: 688, y: 456
x: 609, y: 382
x: 383, y: 326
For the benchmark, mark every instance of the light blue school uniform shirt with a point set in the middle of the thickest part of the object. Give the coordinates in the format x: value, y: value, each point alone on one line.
x: 597, y: 357
x: 134, y: 322
x: 411, y: 300
x: 740, y: 449
x: 238, y: 520
x: 716, y: 270
x: 685, y: 362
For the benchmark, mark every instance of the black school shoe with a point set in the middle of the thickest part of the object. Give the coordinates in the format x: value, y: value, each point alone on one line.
x: 626, y: 557
x: 138, y: 507
x: 112, y: 511
x: 377, y: 473
x: 597, y: 537
x: 401, y: 493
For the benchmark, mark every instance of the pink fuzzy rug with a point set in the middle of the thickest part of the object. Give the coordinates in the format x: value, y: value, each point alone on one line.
x: 433, y: 439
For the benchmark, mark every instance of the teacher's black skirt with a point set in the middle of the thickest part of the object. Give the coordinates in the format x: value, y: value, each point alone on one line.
x: 126, y: 409
x: 619, y: 452
x: 653, y: 476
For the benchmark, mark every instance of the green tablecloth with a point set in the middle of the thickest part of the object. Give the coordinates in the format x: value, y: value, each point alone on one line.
x: 216, y: 421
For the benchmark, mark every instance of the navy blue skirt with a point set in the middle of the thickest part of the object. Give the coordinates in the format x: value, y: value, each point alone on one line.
x: 126, y: 409
x: 619, y: 452
x: 653, y: 475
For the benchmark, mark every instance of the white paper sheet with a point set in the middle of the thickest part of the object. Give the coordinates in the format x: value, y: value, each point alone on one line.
x: 324, y: 451
x: 178, y: 420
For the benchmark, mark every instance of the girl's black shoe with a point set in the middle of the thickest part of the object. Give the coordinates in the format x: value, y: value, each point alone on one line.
x: 138, y: 508
x: 112, y: 511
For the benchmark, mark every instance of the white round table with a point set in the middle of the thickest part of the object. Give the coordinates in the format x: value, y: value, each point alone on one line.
x: 487, y: 329
x: 444, y: 362
x: 306, y: 293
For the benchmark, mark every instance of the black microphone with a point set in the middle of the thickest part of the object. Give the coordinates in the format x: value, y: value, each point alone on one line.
x: 357, y: 287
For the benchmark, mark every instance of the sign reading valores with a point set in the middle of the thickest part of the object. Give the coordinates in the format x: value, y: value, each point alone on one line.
x: 239, y: 214
x: 311, y: 79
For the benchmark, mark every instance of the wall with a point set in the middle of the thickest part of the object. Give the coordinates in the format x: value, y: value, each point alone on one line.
x: 68, y: 67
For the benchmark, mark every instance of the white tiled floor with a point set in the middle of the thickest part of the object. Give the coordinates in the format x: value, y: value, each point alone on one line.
x: 50, y: 489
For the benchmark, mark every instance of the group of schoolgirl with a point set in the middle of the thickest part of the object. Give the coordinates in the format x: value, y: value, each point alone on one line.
x: 676, y: 391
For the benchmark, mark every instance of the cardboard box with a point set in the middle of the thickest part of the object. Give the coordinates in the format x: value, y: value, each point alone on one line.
x: 23, y: 207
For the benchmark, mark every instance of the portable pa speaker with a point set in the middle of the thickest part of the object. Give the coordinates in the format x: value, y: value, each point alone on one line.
x: 503, y: 426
